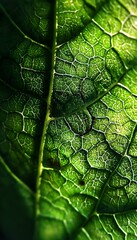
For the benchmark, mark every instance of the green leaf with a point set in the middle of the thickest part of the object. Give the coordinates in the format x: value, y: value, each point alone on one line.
x: 68, y: 119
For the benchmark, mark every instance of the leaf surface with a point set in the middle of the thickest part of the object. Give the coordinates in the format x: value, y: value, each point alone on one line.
x: 68, y: 119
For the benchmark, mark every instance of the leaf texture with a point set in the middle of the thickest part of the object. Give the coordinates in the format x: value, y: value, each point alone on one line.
x: 68, y: 119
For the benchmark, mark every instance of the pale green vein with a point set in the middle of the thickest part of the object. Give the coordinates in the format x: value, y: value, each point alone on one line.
x: 47, y: 116
x: 86, y: 233
x: 127, y: 89
x: 119, y: 226
x: 22, y: 33
x: 106, y: 32
x: 8, y: 170
x: 124, y: 212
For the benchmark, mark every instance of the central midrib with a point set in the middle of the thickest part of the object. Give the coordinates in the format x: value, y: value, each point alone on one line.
x: 47, y: 114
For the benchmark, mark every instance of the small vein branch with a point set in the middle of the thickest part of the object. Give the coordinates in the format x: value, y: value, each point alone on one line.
x: 22, y: 33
